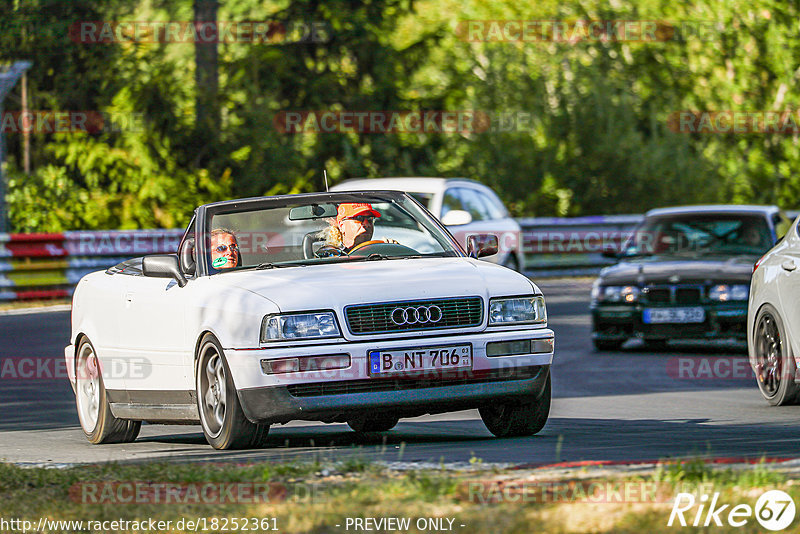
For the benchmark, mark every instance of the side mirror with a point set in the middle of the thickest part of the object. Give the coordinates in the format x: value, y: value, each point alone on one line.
x: 187, y: 256
x: 610, y: 253
x: 163, y: 266
x: 480, y: 245
x: 456, y: 218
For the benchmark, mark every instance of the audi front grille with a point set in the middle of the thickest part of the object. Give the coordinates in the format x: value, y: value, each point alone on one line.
x: 415, y: 315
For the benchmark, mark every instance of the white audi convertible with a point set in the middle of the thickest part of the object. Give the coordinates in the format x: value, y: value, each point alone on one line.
x: 268, y: 314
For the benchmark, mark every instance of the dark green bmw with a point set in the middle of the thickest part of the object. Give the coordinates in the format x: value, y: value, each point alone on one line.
x: 684, y: 273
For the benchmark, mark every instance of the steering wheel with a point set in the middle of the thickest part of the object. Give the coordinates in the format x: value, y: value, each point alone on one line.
x: 384, y: 248
x: 367, y: 244
x: 327, y: 251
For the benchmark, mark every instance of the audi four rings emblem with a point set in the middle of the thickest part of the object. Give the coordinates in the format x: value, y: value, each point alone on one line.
x: 416, y: 315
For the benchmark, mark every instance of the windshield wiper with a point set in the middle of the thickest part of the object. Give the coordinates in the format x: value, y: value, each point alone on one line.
x: 260, y: 267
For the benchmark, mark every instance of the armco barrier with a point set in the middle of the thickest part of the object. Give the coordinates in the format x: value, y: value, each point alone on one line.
x: 572, y: 246
x: 38, y: 266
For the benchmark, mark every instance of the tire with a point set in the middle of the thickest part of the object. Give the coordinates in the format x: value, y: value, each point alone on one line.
x: 775, y: 365
x: 655, y: 344
x: 607, y: 344
x: 373, y: 423
x: 519, y: 418
x: 224, y: 423
x: 98, y: 423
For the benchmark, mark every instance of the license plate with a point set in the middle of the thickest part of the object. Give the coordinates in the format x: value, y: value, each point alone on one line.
x: 674, y: 315
x: 384, y: 362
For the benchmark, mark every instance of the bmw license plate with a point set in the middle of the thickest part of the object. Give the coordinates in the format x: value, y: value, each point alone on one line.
x: 384, y: 362
x: 673, y: 315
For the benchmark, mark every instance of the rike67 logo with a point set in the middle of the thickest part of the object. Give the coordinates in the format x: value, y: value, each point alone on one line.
x: 774, y: 510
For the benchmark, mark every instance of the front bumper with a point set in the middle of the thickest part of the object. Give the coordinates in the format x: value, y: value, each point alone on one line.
x: 400, y: 397
x: 333, y: 395
x: 723, y: 320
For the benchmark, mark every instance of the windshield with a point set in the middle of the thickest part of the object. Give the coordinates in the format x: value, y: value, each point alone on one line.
x: 700, y: 234
x: 310, y: 231
x: 423, y: 198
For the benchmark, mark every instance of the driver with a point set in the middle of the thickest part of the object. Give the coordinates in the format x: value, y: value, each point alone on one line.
x: 224, y: 249
x: 356, y: 222
x: 353, y: 226
x: 752, y: 237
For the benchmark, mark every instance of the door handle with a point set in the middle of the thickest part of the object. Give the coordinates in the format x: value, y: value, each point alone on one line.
x: 789, y: 265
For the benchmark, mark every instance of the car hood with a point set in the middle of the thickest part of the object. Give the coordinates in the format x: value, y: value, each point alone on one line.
x: 334, y: 286
x: 675, y: 270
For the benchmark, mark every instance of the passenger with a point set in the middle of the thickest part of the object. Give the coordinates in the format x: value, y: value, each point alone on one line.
x: 224, y: 249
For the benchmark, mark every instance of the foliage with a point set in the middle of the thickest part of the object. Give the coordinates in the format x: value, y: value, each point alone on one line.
x: 587, y: 124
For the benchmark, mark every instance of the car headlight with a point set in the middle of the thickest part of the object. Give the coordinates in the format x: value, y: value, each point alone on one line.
x: 517, y: 310
x: 627, y: 294
x: 299, y: 326
x: 725, y: 293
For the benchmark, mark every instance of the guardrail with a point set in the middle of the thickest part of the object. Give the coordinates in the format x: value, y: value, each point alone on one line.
x: 572, y: 246
x: 40, y: 266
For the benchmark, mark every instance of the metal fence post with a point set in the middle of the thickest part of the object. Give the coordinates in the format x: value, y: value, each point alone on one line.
x: 8, y: 80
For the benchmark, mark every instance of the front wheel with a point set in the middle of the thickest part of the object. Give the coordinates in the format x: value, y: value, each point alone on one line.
x: 775, y: 366
x: 373, y: 423
x: 98, y: 423
x: 224, y: 423
x: 521, y: 418
x: 607, y: 344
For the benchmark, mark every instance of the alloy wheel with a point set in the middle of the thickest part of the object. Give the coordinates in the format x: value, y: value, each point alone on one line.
x: 769, y: 354
x: 213, y: 390
x: 88, y: 387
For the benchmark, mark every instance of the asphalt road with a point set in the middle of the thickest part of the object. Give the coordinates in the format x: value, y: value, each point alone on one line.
x: 630, y: 405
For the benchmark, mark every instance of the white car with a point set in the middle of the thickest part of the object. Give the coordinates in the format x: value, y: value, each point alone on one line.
x: 773, y: 321
x: 293, y: 331
x: 465, y: 207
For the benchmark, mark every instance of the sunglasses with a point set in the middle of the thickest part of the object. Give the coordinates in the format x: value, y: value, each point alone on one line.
x: 223, y: 248
x: 361, y: 218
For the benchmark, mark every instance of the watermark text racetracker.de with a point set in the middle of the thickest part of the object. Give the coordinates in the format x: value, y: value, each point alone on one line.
x: 270, y: 32
x: 392, y: 122
x: 136, y: 492
x: 66, y: 121
x: 571, y: 491
x: 585, y: 30
x: 784, y: 122
x: 709, y: 368
x: 50, y: 368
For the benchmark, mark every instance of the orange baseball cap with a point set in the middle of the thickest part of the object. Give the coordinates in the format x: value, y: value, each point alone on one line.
x: 351, y: 209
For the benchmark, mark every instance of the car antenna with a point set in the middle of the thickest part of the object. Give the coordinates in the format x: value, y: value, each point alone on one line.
x: 325, y: 174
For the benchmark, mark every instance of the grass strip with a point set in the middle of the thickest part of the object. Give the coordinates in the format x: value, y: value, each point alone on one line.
x: 314, y: 497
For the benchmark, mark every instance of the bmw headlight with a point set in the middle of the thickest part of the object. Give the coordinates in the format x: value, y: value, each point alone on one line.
x: 299, y: 326
x: 725, y: 293
x: 517, y: 310
x: 624, y: 294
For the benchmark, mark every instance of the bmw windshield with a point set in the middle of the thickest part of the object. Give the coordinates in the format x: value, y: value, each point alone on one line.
x: 301, y: 230
x: 700, y: 234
